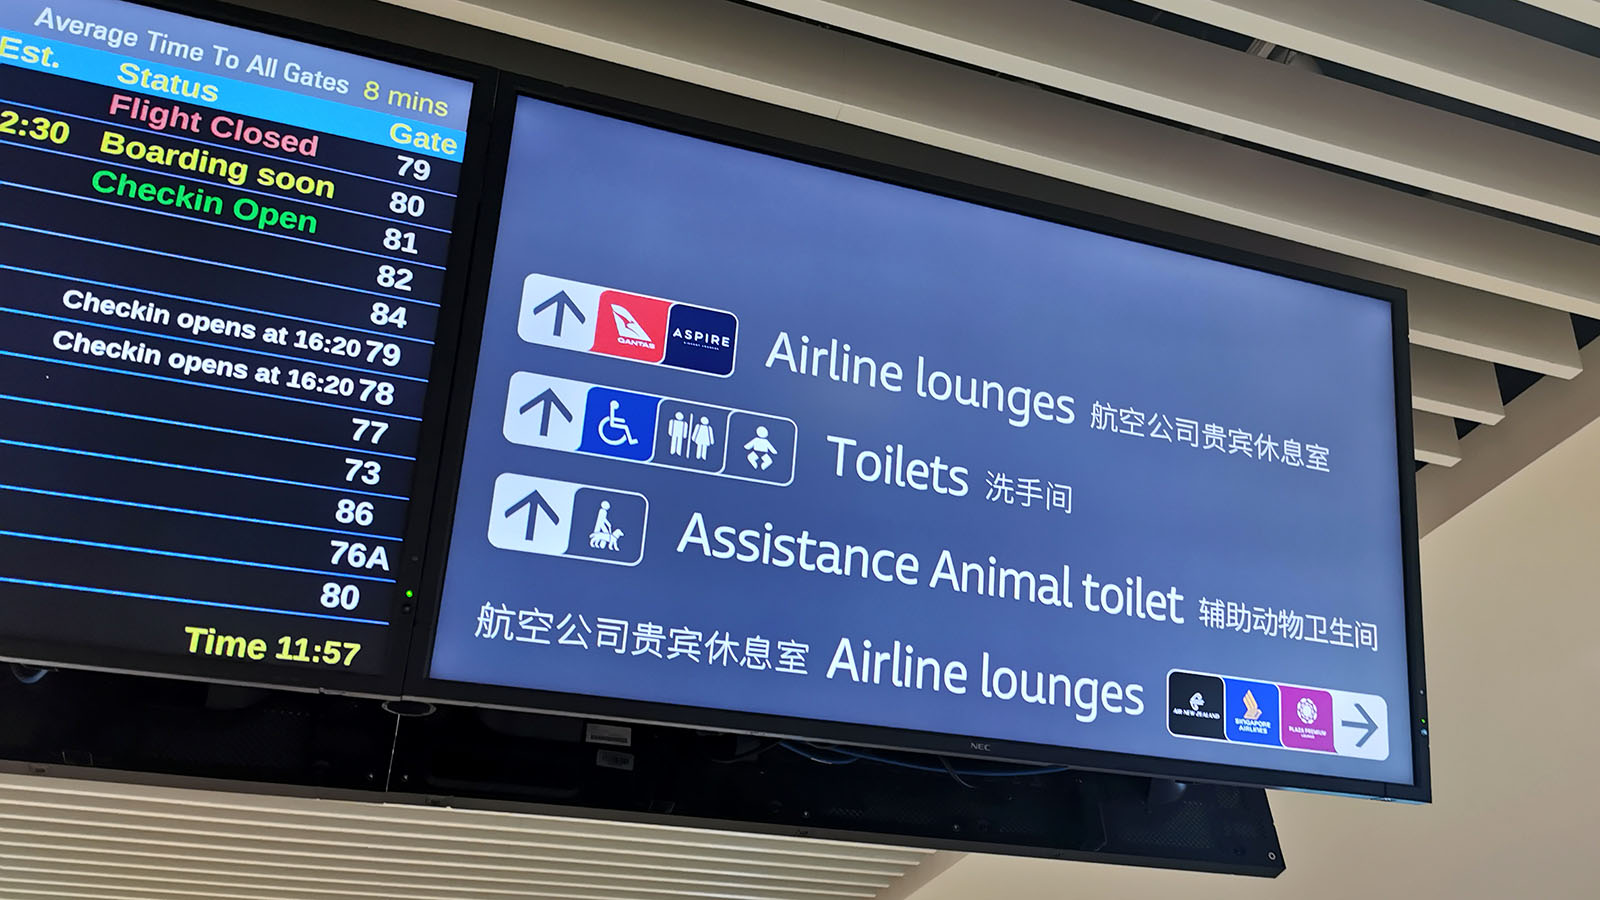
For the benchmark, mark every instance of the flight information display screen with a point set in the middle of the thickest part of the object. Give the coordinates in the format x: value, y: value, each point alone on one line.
x: 222, y: 260
x: 750, y: 436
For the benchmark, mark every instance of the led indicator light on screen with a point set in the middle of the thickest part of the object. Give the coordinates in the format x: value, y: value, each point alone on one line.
x: 411, y: 593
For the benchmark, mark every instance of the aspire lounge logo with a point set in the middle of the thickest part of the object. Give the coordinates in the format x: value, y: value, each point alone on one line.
x: 702, y: 340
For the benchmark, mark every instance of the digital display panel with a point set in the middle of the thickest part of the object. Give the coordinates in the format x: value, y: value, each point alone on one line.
x: 758, y: 437
x: 222, y: 258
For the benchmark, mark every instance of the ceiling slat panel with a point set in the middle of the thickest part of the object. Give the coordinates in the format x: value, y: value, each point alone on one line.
x: 1075, y: 141
x: 246, y: 807
x: 109, y: 888
x: 752, y: 52
x: 530, y: 860
x: 31, y: 890
x: 333, y: 887
x: 1455, y: 386
x: 1435, y: 439
x: 350, y: 871
x: 1142, y: 67
x: 442, y: 839
x: 1587, y: 11
x: 466, y: 826
x: 107, y: 841
x: 518, y: 854
x: 1428, y: 46
x: 1472, y: 323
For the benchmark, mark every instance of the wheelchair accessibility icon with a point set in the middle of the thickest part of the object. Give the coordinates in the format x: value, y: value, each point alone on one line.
x: 614, y: 430
x: 620, y: 424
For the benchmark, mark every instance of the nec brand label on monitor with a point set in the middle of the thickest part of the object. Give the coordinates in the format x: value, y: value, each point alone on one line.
x: 918, y: 464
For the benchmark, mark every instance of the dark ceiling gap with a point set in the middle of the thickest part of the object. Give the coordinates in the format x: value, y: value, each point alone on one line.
x: 1532, y: 21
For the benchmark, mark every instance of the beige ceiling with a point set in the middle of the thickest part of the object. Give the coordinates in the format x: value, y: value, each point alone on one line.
x: 1513, y: 635
x: 1484, y: 288
x: 1513, y: 627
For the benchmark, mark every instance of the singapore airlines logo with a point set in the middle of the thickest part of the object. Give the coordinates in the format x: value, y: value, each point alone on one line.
x: 1252, y: 710
x: 629, y: 331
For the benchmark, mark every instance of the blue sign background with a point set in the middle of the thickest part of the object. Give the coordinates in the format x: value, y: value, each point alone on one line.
x: 981, y: 293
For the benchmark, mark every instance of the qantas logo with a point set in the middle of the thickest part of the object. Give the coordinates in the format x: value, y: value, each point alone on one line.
x: 631, y: 326
x: 629, y: 331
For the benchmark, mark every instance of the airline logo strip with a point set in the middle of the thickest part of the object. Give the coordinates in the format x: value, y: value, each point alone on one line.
x: 1286, y: 716
x: 563, y: 518
x: 596, y: 420
x: 589, y: 318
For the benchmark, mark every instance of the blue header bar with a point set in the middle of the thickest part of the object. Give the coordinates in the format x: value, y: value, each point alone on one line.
x: 214, y: 50
x: 188, y: 86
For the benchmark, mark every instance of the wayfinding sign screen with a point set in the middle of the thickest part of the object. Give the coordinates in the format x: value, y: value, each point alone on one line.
x: 753, y: 436
x: 222, y: 260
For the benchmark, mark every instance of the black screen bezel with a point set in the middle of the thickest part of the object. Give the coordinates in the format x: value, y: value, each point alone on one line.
x: 762, y: 138
x: 386, y: 682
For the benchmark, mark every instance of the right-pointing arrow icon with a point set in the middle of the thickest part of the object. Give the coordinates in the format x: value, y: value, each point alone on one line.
x: 1370, y: 726
x: 562, y: 303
